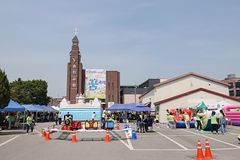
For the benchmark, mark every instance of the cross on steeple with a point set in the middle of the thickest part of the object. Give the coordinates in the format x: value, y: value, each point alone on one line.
x: 75, y: 31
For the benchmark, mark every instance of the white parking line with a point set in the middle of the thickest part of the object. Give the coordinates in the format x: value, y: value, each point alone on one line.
x: 190, y: 135
x: 219, y: 149
x: 213, y: 139
x: 175, y: 150
x: 173, y: 141
x: 158, y: 149
x: 130, y: 147
x: 129, y: 141
x: 170, y: 135
x: 6, y: 142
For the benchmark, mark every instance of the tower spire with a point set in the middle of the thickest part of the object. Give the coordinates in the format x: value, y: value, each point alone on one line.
x: 75, y: 39
x: 75, y: 31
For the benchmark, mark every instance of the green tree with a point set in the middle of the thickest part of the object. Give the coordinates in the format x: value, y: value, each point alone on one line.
x: 4, y: 89
x: 29, y: 92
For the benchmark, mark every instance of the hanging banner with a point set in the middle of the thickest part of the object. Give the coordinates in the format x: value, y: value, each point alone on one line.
x: 95, y: 83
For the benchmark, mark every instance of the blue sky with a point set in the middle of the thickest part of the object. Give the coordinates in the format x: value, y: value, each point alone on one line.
x: 140, y: 38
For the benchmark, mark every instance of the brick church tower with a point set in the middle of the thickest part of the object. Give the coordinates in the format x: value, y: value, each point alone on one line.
x: 74, y: 73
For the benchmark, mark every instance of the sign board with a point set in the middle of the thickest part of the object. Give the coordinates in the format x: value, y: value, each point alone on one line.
x: 95, y: 83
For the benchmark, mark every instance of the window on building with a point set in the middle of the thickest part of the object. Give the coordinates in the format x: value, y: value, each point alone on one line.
x: 237, y: 84
x: 112, y: 98
x: 238, y: 93
x: 231, y: 93
x: 109, y: 98
x: 157, y: 108
x: 230, y: 85
x: 74, y: 85
x: 108, y: 85
x: 112, y: 85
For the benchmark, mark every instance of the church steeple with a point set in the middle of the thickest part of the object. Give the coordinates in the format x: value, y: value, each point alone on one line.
x: 75, y: 72
x: 75, y: 39
x: 75, y: 48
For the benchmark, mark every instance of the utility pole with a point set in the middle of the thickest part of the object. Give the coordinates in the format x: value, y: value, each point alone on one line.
x: 135, y: 92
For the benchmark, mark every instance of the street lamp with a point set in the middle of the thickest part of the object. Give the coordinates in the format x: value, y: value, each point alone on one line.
x: 135, y: 92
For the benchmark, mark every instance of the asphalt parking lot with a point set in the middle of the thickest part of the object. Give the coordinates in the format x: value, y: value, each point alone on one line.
x: 164, y: 143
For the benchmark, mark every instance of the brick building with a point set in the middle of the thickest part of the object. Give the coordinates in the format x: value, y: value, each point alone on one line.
x: 234, y: 85
x: 77, y: 76
x: 75, y: 79
x: 131, y: 93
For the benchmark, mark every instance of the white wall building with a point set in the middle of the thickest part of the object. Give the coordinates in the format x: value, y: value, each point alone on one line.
x: 185, y: 91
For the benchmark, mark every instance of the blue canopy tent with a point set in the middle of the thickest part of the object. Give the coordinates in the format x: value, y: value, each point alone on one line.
x: 137, y: 107
x: 46, y: 108
x: 118, y: 107
x: 141, y: 109
x: 33, y: 108
x: 38, y: 108
x: 13, y: 107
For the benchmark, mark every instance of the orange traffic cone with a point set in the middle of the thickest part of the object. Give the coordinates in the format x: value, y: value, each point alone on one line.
x: 43, y: 133
x: 47, y: 136
x: 107, y: 138
x: 208, y: 152
x: 74, y: 138
x: 117, y: 126
x: 200, y: 155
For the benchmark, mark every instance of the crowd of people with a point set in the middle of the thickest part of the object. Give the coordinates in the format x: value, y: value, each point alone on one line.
x: 144, y: 121
x: 179, y: 114
x: 218, y: 119
x: 14, y: 120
